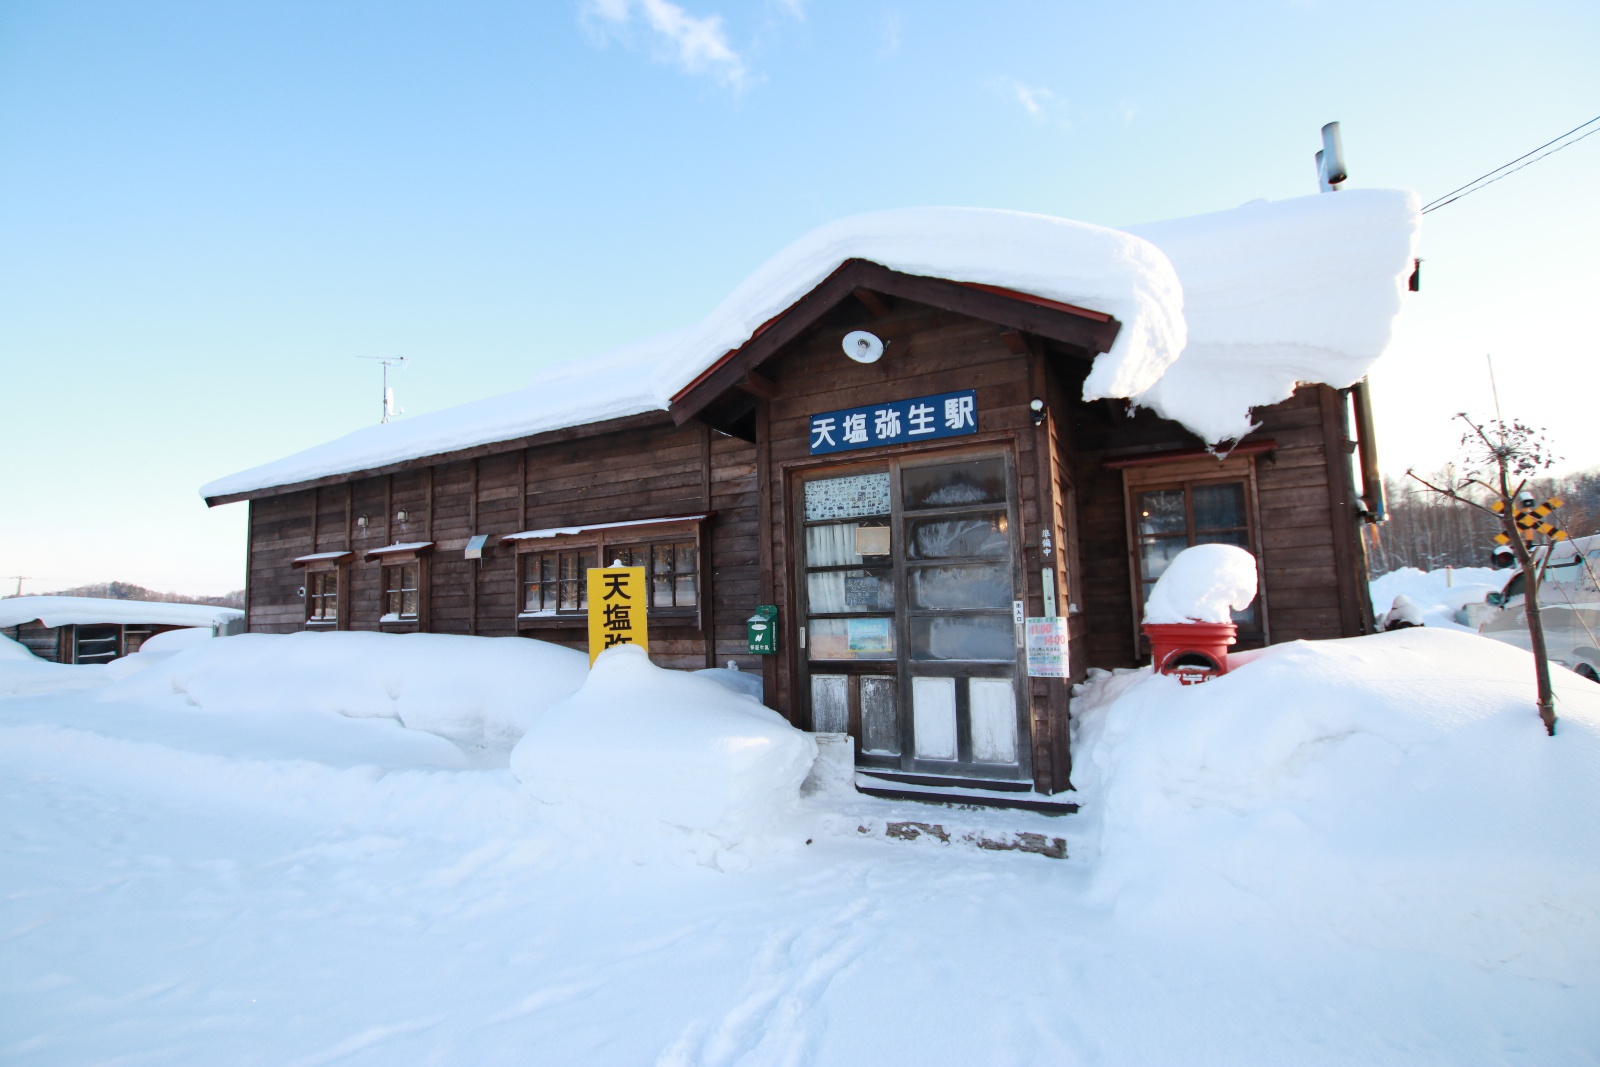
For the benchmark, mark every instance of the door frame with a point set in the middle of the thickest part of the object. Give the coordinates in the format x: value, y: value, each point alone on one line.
x: 793, y: 475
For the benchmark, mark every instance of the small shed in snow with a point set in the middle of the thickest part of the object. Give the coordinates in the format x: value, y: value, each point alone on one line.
x: 82, y: 629
x: 908, y: 433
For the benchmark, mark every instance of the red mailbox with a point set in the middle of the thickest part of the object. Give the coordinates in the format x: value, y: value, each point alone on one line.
x: 1193, y: 652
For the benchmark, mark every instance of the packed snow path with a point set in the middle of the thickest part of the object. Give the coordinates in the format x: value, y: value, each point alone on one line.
x: 187, y: 888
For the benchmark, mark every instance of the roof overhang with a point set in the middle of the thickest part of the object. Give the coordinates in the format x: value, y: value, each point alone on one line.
x: 1093, y: 331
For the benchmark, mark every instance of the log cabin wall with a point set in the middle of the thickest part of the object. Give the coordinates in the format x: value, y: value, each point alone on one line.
x: 656, y: 471
x: 1310, y: 556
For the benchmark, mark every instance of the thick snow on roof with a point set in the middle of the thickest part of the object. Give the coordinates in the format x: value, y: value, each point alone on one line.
x: 88, y: 610
x: 1274, y: 294
x: 1302, y: 290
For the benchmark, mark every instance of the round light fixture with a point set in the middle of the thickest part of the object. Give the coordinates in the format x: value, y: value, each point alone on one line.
x: 863, y: 347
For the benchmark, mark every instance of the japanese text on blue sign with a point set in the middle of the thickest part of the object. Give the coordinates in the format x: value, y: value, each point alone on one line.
x: 895, y: 422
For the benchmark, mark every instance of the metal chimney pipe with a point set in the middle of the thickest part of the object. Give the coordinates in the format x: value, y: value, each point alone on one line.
x: 1333, y: 168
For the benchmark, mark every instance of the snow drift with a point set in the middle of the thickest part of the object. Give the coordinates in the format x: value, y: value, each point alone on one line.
x: 1397, y: 791
x: 473, y: 690
x: 643, y: 748
x: 88, y: 610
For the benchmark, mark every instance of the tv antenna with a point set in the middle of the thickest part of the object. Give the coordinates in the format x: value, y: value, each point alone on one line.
x: 389, y: 409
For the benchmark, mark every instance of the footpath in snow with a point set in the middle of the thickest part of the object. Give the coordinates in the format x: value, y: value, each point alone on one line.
x: 285, y: 851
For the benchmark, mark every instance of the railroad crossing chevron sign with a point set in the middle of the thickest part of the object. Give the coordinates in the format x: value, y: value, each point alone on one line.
x: 1531, y: 521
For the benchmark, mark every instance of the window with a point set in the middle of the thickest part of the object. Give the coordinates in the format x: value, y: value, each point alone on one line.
x: 556, y: 582
x: 1171, y: 516
x: 401, y: 592
x: 322, y: 598
x: 669, y: 572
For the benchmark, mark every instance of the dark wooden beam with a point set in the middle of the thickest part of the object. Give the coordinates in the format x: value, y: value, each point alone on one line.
x: 1017, y: 343
x: 758, y: 385
x: 874, y: 303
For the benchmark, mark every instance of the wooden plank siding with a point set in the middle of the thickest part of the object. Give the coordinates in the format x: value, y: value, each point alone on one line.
x: 1309, y: 546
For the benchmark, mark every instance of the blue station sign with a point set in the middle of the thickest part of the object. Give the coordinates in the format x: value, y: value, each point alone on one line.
x: 896, y: 422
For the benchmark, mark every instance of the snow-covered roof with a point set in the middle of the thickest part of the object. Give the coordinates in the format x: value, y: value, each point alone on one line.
x: 88, y: 611
x: 562, y: 531
x: 398, y: 547
x: 1219, y: 313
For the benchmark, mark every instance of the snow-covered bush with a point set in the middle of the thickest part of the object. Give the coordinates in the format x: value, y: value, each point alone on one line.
x: 640, y: 752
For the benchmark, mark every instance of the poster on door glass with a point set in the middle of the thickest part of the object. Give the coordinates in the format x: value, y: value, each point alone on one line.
x: 1047, y: 647
x: 868, y: 635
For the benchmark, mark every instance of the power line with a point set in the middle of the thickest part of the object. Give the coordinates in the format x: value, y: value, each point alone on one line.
x: 1501, y: 171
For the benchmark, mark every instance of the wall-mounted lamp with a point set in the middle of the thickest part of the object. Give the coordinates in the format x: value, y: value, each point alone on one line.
x: 401, y: 515
x: 361, y: 521
x: 301, y: 592
x: 1037, y: 407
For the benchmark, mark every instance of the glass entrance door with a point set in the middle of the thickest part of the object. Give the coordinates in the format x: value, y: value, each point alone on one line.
x: 909, y: 570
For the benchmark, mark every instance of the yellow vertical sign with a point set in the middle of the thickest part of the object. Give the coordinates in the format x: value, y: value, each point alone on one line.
x: 617, y: 608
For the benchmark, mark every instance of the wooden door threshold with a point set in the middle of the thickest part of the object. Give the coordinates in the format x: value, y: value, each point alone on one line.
x: 961, y: 791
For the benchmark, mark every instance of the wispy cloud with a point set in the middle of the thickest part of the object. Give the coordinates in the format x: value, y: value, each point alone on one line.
x: 1040, y: 103
x: 696, y: 44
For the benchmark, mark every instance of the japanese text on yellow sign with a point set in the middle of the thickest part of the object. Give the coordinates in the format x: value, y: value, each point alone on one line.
x: 617, y: 609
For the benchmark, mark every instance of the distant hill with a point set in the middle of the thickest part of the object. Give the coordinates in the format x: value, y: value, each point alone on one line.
x: 129, y: 591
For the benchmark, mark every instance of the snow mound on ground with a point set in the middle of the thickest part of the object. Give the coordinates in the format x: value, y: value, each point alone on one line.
x: 15, y: 650
x: 1203, y: 584
x: 482, y: 691
x: 1439, y: 594
x: 1396, y: 791
x: 640, y: 750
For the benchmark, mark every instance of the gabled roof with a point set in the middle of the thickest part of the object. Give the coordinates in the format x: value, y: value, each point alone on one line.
x: 1236, y: 307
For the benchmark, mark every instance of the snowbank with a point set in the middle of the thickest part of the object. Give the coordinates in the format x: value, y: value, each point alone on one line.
x: 480, y: 691
x: 1395, y: 791
x: 1203, y: 583
x: 1303, y: 290
x: 88, y: 610
x: 640, y: 748
x: 1438, y: 595
x: 1219, y: 313
x: 16, y: 652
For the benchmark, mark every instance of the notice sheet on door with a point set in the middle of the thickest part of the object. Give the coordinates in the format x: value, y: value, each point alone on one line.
x: 1047, y: 647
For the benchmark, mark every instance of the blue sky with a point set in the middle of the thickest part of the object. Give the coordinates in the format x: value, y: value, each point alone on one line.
x: 209, y: 211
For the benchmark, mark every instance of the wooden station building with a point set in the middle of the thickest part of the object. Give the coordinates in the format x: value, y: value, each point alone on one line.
x: 895, y: 512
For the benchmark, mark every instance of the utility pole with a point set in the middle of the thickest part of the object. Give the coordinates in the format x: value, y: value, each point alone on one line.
x: 20, y: 579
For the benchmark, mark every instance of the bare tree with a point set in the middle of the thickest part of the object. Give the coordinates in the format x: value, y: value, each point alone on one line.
x: 1495, y: 454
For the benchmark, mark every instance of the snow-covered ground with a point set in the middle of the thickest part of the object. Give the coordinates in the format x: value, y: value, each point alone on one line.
x: 1361, y: 851
x: 1439, y: 594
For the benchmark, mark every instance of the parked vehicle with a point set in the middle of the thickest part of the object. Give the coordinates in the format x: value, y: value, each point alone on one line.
x: 1569, y: 604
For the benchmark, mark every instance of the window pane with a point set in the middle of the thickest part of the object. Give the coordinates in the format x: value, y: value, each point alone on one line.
x: 830, y: 592
x: 979, y: 535
x: 976, y: 637
x: 952, y: 485
x: 547, y: 568
x: 851, y: 638
x: 683, y: 557
x: 408, y: 604
x: 1156, y: 552
x: 586, y: 563
x: 973, y: 586
x: 1219, y: 507
x: 408, y: 577
x: 848, y: 497
x: 686, y: 591
x: 661, y: 576
x: 1161, y: 512
x: 831, y: 546
x: 880, y: 722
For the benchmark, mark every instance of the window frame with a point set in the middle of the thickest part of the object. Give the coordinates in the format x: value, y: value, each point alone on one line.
x: 602, y: 541
x: 1187, y: 475
x: 320, y: 564
x: 390, y: 558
